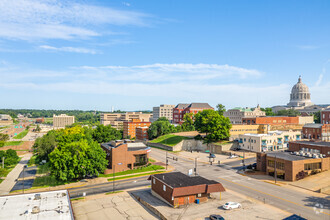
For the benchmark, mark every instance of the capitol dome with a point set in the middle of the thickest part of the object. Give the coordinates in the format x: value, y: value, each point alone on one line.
x: 300, y: 95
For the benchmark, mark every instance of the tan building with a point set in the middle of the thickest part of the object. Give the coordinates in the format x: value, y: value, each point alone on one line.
x: 272, y: 141
x: 129, y: 127
x: 236, y: 115
x: 5, y: 119
x: 237, y: 130
x: 116, y: 120
x: 163, y: 111
x: 60, y: 121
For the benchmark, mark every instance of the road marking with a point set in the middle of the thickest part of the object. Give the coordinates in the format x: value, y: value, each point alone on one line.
x: 272, y: 195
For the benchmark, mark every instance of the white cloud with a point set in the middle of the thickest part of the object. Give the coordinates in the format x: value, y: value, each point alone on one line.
x: 307, y: 47
x: 55, y: 19
x: 319, y: 81
x: 69, y: 49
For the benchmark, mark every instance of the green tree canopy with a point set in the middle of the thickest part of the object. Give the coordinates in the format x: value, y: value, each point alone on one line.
x: 289, y: 112
x: 106, y: 133
x: 214, y: 125
x: 221, y: 109
x: 4, y: 137
x: 160, y: 127
x: 45, y: 145
x: 268, y: 111
x: 188, y: 122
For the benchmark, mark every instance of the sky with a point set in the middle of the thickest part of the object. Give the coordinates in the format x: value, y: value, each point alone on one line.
x: 136, y: 54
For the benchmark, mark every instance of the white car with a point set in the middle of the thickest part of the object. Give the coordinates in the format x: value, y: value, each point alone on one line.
x: 231, y: 205
x: 232, y: 156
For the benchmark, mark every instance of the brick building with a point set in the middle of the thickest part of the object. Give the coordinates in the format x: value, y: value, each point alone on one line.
x: 142, y: 133
x: 237, y: 130
x: 178, y: 189
x: 325, y: 117
x: 125, y: 154
x: 181, y: 109
x: 318, y: 147
x: 117, y: 120
x: 289, y: 166
x: 129, y: 127
x: 278, y: 120
x: 316, y: 132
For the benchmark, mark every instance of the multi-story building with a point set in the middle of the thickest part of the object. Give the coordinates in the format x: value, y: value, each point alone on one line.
x: 237, y: 130
x: 60, y: 121
x: 291, y: 166
x: 126, y: 154
x: 315, y: 147
x: 163, y: 111
x: 236, y: 115
x: 181, y: 109
x: 129, y: 127
x: 325, y: 117
x: 278, y: 120
x: 117, y: 120
x: 272, y: 141
x: 316, y: 131
x: 142, y: 133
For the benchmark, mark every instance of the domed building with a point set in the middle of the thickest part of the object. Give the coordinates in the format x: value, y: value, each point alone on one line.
x: 300, y: 95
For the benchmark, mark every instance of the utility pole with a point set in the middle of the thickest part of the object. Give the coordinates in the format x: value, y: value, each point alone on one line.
x: 23, y: 177
x: 113, y: 181
x: 195, y: 166
x: 166, y: 161
x: 275, y: 174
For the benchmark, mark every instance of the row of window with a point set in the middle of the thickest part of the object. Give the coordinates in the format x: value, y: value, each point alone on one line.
x: 312, y: 166
x: 279, y: 165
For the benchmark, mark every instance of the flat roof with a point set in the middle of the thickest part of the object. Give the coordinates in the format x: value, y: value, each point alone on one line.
x: 286, y: 156
x: 312, y: 143
x: 178, y: 179
x: 52, y: 205
x: 313, y: 125
x: 132, y: 146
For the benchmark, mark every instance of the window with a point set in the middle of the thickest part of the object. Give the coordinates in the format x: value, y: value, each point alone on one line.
x: 312, y: 166
x: 164, y: 187
x: 199, y: 195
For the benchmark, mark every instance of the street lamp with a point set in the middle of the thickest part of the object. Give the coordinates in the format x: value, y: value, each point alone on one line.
x: 25, y: 166
x: 211, y: 158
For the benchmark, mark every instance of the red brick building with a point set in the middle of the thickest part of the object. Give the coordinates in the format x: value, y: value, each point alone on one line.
x: 142, y: 133
x: 316, y: 132
x: 325, y: 117
x: 289, y: 166
x: 129, y: 127
x: 125, y: 154
x: 181, y: 109
x: 178, y: 189
x: 320, y: 147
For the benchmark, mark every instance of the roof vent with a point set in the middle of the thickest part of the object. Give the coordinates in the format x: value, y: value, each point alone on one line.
x: 37, y: 196
x: 163, y: 177
x: 35, y: 210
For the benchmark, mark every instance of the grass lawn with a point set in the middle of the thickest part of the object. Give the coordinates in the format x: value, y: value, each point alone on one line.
x: 32, y: 161
x: 151, y: 160
x: 13, y: 143
x: 47, y: 181
x: 223, y: 142
x: 42, y: 169
x: 169, y: 139
x: 114, y: 192
x: 79, y: 198
x: 137, y: 175
x: 21, y: 135
x: 138, y: 170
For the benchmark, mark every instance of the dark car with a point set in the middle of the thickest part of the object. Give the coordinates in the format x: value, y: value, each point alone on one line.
x: 216, y: 217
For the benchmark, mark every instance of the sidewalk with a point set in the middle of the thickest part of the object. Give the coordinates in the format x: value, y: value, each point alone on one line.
x: 9, y: 182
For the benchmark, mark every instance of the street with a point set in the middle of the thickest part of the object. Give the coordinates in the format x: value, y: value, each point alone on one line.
x: 310, y: 207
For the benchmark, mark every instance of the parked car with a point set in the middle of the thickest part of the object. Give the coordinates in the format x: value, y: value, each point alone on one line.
x: 232, y: 156
x: 232, y: 205
x: 216, y: 217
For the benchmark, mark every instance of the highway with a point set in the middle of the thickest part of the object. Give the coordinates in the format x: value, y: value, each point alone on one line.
x: 305, y: 205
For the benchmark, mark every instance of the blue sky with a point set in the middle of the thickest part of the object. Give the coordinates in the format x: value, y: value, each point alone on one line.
x: 134, y: 55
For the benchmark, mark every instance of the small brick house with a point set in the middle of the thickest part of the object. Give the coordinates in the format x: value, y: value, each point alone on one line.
x: 178, y: 189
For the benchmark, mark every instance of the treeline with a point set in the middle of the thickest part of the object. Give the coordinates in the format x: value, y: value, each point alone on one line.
x: 75, y: 152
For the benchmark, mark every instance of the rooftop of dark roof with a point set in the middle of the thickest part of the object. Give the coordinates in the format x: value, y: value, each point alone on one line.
x: 181, y: 106
x: 178, y: 179
x: 199, y: 105
x: 313, y: 143
x: 286, y: 156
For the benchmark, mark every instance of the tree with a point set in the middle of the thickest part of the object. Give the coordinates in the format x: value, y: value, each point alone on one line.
x: 188, y: 122
x: 221, y: 109
x: 160, y: 127
x: 269, y: 111
x: 45, y: 145
x: 38, y: 129
x: 77, y: 159
x: 317, y: 117
x: 4, y: 137
x: 214, y: 125
x: 106, y: 133
x: 289, y: 112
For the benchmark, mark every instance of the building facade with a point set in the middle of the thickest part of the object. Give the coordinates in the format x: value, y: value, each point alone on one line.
x: 237, y: 130
x: 5, y: 119
x: 116, y: 120
x: 142, y: 133
x: 163, y: 111
x: 60, y: 121
x: 125, y: 154
x: 279, y: 120
x: 177, y: 189
x: 236, y: 115
x: 325, y: 117
x: 290, y: 166
x: 129, y: 127
x: 181, y: 109
x: 316, y: 132
x: 272, y: 141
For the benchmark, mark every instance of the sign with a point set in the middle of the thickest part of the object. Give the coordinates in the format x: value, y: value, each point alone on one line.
x: 120, y: 163
x: 148, y: 151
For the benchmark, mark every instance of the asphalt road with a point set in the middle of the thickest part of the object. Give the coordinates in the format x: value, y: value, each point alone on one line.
x: 108, y: 187
x: 305, y: 205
